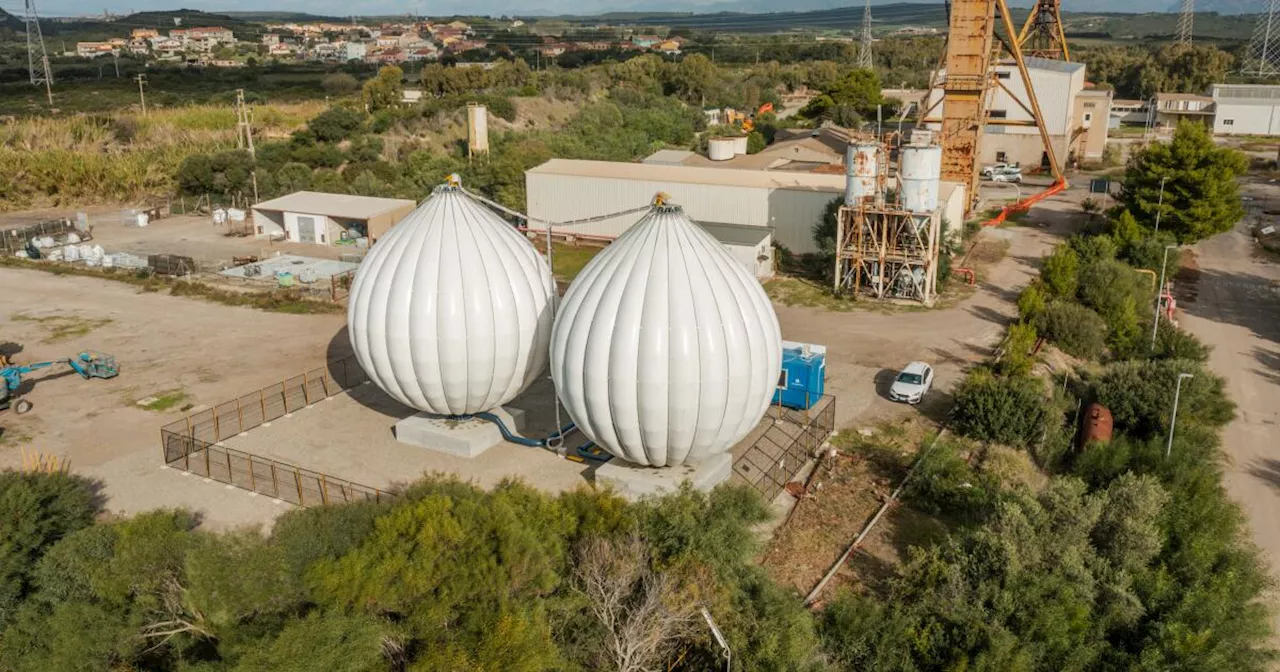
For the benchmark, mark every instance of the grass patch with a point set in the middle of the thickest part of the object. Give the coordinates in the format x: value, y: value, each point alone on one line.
x: 59, y: 328
x: 164, y: 401
x: 277, y: 300
x: 791, y: 291
x: 569, y: 260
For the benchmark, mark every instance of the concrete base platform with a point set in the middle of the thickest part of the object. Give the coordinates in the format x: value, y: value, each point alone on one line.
x: 633, y: 481
x: 463, y: 438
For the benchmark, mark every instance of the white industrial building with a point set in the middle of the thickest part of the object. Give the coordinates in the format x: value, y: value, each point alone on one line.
x: 1245, y: 109
x: 1069, y: 110
x: 783, y: 203
x: 326, y: 219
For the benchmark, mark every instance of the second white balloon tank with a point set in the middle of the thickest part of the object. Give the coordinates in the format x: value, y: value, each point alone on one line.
x: 665, y: 349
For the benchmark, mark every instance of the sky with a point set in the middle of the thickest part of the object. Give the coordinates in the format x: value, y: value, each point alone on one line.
x: 421, y: 7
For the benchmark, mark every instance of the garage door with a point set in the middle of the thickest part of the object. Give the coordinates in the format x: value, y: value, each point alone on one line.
x: 306, y: 229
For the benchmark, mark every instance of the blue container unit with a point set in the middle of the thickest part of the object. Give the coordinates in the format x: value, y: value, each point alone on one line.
x: 803, y: 376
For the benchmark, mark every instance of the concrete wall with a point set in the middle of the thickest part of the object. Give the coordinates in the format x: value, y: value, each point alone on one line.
x: 1246, y: 119
x: 267, y: 224
x: 1093, y: 114
x: 380, y: 224
x: 790, y: 212
x: 951, y: 205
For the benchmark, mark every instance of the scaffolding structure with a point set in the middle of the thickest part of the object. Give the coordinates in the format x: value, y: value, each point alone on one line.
x: 1042, y: 33
x: 885, y: 252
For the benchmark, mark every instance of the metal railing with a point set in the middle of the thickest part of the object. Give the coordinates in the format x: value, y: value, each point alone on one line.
x: 192, y: 443
x: 264, y: 476
x: 786, y: 445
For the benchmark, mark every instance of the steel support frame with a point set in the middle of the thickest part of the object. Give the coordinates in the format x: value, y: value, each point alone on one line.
x: 878, y: 246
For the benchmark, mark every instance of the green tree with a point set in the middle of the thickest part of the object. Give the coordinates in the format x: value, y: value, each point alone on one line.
x: 1140, y: 395
x: 1077, y: 330
x: 694, y: 78
x: 335, y: 124
x: 293, y: 177
x: 386, y: 90
x: 1201, y: 195
x: 1009, y: 410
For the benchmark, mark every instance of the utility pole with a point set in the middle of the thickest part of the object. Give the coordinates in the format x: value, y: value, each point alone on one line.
x: 244, y: 137
x: 142, y: 95
x: 1173, y: 419
x: 1160, y: 205
x: 1155, y: 325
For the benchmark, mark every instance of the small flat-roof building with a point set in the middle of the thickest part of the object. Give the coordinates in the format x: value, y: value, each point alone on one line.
x: 327, y: 219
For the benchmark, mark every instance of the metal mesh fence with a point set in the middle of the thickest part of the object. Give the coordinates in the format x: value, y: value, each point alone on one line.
x: 191, y: 443
x: 786, y: 444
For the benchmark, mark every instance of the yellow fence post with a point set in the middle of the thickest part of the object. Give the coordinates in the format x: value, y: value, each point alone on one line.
x: 217, y: 430
x: 275, y: 483
x: 297, y: 481
x: 306, y: 389
x: 208, y: 471
x: 253, y: 478
x: 240, y: 414
x: 324, y: 490
x: 231, y: 475
x: 262, y: 401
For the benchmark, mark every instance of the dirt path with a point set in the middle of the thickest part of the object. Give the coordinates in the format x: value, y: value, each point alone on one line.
x: 1234, y: 306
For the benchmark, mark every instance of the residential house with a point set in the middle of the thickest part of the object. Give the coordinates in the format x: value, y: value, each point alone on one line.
x: 646, y: 41
x: 94, y: 49
x: 423, y: 54
x: 144, y: 34
x: 668, y: 47
x: 392, y: 56
x: 1174, y: 107
x: 355, y: 51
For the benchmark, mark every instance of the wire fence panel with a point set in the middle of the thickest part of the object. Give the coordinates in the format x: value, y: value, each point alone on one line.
x: 785, y: 446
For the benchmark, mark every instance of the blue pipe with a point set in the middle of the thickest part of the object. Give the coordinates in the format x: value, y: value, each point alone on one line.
x: 585, y: 451
x: 517, y: 439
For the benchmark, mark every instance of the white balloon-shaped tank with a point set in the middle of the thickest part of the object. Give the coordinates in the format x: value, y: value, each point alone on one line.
x: 665, y: 349
x: 451, y: 311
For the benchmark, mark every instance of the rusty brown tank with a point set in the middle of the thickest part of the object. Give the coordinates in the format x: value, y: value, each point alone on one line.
x: 1096, y: 424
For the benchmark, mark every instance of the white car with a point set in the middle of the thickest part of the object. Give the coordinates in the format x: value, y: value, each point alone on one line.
x: 1012, y: 175
x: 912, y: 383
x: 993, y: 169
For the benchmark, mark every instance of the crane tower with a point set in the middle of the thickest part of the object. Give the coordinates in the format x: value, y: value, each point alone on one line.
x: 1042, y: 33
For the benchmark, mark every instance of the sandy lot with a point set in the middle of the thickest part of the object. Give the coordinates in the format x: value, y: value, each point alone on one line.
x: 212, y: 353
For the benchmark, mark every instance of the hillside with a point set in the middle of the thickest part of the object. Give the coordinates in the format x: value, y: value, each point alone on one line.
x: 8, y: 20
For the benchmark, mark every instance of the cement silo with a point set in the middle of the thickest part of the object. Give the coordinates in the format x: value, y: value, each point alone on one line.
x: 451, y: 312
x: 665, y: 350
x: 920, y: 174
x: 861, y: 169
x: 739, y: 144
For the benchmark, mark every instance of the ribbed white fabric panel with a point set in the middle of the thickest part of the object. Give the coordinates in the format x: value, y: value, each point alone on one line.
x: 665, y: 350
x: 451, y: 311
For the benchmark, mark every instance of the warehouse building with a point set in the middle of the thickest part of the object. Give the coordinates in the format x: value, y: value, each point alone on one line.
x: 746, y: 209
x: 1245, y: 109
x: 328, y: 219
x: 1075, y: 116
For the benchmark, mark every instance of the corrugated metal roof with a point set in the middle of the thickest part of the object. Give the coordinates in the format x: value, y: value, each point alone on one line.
x: 668, y: 157
x: 728, y: 177
x: 1256, y: 94
x: 1052, y: 64
x: 737, y: 234
x: 345, y: 206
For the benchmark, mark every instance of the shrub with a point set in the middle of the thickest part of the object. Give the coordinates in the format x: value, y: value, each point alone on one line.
x: 1175, y: 343
x: 1009, y: 410
x: 1059, y: 272
x: 339, y: 84
x: 1149, y: 253
x: 945, y: 484
x: 1140, y: 395
x: 1093, y: 248
x: 1032, y: 302
x: 293, y: 177
x: 1077, y: 330
x: 1017, y: 358
x: 755, y: 142
x: 335, y: 124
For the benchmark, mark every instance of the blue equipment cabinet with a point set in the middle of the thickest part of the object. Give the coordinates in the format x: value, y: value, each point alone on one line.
x: 803, y: 376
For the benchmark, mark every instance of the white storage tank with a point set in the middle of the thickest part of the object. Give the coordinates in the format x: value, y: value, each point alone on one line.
x: 451, y: 311
x: 739, y: 145
x: 721, y: 149
x: 921, y: 171
x: 665, y: 350
x: 861, y: 170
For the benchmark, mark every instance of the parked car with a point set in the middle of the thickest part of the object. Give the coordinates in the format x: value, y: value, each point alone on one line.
x: 1009, y: 175
x: 912, y: 383
x: 991, y: 169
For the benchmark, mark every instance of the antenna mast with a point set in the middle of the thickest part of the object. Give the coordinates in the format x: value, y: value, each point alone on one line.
x: 1185, y: 20
x: 1264, y: 48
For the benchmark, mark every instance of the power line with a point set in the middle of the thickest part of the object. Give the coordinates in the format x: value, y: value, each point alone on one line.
x: 1264, y: 49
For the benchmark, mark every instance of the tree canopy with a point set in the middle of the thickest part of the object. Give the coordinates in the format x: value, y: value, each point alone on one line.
x: 1201, y: 194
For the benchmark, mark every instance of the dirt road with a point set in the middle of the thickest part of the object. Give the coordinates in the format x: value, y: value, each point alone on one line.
x: 1234, y: 306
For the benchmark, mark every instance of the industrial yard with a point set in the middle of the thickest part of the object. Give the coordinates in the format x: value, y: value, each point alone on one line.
x: 201, y: 354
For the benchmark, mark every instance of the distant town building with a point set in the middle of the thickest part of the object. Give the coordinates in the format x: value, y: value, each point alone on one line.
x: 94, y: 49
x: 354, y: 51
x: 144, y: 34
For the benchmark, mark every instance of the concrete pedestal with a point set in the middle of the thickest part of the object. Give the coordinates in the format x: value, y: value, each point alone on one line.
x: 633, y: 481
x: 463, y: 438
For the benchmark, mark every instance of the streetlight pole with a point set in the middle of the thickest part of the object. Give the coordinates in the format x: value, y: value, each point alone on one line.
x: 1160, y: 204
x: 1155, y: 324
x: 1173, y: 419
